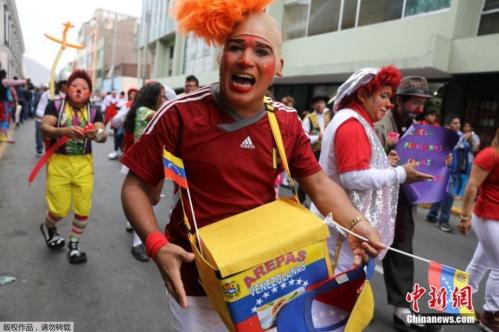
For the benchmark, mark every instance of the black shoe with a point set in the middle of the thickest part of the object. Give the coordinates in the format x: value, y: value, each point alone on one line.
x: 431, y: 219
x: 129, y: 227
x: 53, y: 240
x: 75, y: 255
x: 402, y: 326
x: 139, y: 252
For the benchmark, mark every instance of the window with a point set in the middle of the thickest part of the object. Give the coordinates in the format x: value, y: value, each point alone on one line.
x: 295, y: 19
x: 324, y: 16
x: 491, y: 5
x: 489, y: 22
x: 414, y: 7
x: 375, y: 11
x: 312, y: 17
x: 349, y: 14
x: 199, y: 57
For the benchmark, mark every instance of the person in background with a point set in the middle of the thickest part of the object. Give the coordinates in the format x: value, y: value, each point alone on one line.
x: 412, y: 95
x: 430, y: 117
x: 314, y: 124
x: 474, y: 145
x: 60, y: 93
x: 5, y: 114
x: 111, y: 105
x: 439, y: 213
x: 117, y: 122
x: 19, y: 118
x: 353, y: 156
x: 70, y: 171
x: 289, y: 101
x: 191, y: 84
x: 484, y: 182
x: 28, y: 97
x: 149, y: 98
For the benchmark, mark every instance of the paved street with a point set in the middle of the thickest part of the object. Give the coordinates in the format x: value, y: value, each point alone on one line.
x: 113, y: 291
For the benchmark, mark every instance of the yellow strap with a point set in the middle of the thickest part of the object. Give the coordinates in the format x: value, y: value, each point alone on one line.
x: 274, y: 125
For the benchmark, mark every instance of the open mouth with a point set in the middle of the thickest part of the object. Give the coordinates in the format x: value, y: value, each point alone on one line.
x: 243, y: 80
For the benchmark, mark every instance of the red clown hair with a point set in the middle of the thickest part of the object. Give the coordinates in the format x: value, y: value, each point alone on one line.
x: 214, y: 20
x: 387, y: 76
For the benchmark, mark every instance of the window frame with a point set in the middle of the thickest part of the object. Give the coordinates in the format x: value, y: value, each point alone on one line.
x: 357, y: 14
x: 485, y: 13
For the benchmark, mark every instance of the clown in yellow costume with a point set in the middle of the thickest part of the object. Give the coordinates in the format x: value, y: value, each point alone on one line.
x: 70, y: 168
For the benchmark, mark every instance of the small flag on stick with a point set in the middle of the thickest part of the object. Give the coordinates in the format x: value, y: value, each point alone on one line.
x: 174, y: 169
x: 449, y: 289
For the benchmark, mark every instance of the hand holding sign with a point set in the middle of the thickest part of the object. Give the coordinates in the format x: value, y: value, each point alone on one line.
x: 429, y: 147
x: 413, y: 175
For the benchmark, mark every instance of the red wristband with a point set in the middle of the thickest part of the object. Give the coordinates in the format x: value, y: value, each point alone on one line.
x: 154, y: 242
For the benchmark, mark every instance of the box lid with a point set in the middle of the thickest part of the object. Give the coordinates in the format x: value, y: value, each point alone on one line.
x: 242, y: 241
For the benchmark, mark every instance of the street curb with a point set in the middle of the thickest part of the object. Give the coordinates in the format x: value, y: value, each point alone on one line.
x: 455, y: 211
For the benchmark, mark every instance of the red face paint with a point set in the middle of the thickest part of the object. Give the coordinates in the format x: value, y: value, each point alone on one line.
x: 247, y: 68
x: 249, y: 41
x: 269, y: 70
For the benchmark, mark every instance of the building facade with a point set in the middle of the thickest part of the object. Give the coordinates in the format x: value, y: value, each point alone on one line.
x: 11, y: 40
x: 454, y: 43
x: 110, y: 53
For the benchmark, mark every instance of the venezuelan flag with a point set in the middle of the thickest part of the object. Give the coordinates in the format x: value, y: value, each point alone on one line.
x: 442, y: 276
x: 174, y: 169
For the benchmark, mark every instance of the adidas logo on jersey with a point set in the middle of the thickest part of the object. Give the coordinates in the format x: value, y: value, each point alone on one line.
x: 247, y: 143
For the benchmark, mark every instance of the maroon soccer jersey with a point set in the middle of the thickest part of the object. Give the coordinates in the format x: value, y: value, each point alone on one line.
x: 228, y: 160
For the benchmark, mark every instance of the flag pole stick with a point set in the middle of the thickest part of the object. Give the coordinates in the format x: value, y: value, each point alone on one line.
x: 194, y: 220
x: 329, y: 220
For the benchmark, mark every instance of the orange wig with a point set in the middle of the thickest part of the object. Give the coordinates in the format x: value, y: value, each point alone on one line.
x: 214, y: 20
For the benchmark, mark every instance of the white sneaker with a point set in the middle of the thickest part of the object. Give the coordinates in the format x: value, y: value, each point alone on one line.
x: 113, y: 155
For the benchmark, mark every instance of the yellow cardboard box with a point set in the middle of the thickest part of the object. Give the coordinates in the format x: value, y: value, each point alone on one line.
x: 258, y: 260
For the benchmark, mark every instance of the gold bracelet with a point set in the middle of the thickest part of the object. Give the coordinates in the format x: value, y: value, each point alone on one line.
x: 355, y: 221
x: 463, y: 218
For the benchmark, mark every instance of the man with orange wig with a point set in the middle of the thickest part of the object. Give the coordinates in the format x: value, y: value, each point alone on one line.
x: 201, y: 128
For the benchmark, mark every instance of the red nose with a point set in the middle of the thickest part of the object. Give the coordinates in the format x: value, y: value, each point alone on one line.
x: 244, y: 63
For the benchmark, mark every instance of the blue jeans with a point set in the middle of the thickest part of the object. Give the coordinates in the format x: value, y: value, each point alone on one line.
x: 119, y: 133
x: 38, y: 137
x: 444, y: 207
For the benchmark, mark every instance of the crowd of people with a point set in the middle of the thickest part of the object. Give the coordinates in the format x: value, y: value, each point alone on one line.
x: 340, y: 154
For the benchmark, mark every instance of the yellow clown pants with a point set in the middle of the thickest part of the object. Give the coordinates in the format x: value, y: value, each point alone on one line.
x: 70, y: 184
